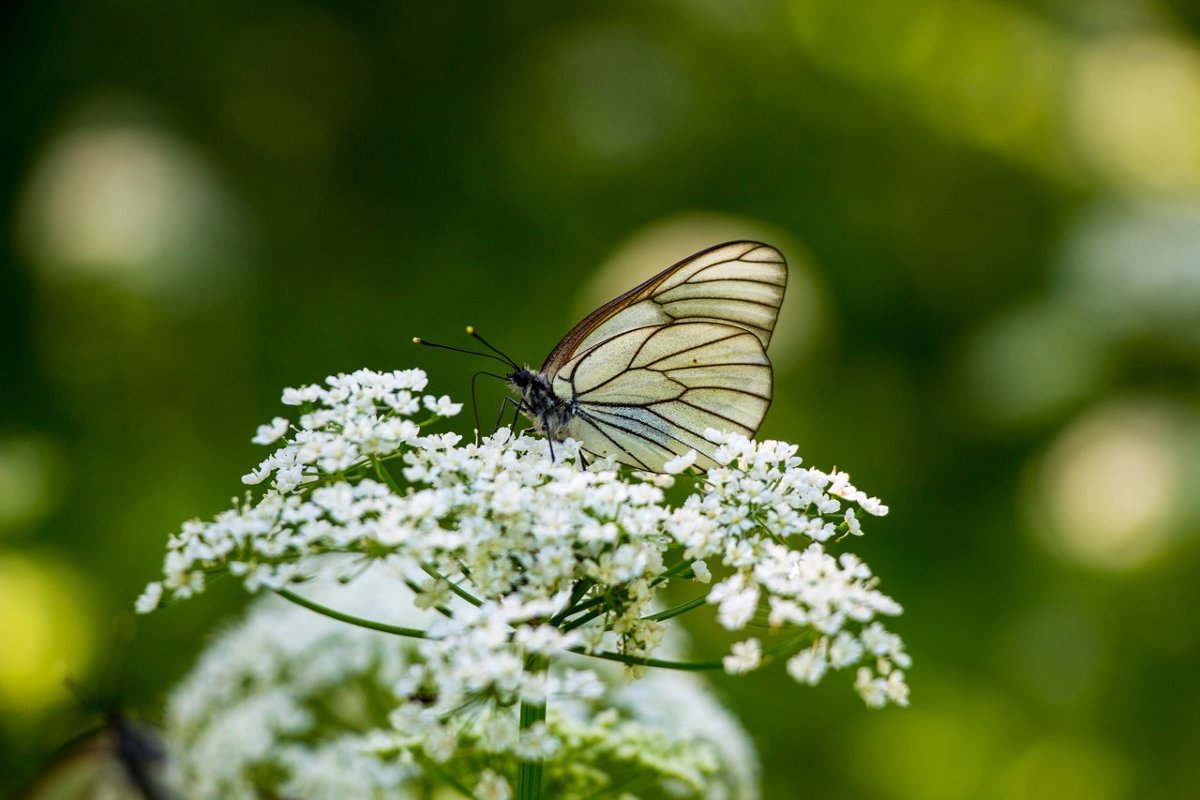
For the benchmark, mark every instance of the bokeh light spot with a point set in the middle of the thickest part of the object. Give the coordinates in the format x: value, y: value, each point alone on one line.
x: 1107, y: 492
x: 604, y: 93
x: 946, y: 749
x: 1063, y: 766
x: 114, y: 198
x: 1029, y: 363
x: 46, y: 629
x: 1136, y: 110
x: 987, y: 73
x: 1133, y: 266
x: 31, y: 480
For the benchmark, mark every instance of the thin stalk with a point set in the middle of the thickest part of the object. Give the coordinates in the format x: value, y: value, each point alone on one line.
x: 577, y: 592
x: 788, y: 647
x: 454, y: 587
x: 312, y: 605
x: 675, y: 611
x: 579, y: 622
x: 385, y: 476
x: 591, y: 602
x: 678, y: 569
x: 432, y: 766
x: 530, y: 771
x: 639, y: 661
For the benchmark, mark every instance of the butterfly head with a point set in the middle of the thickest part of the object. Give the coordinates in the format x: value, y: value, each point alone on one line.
x: 533, y: 387
x: 549, y: 413
x: 530, y: 383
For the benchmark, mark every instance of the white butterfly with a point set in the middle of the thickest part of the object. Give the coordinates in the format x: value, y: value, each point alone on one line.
x: 643, y: 376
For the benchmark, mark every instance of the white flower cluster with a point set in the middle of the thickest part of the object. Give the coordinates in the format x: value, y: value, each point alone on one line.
x: 350, y: 419
x: 768, y: 501
x: 519, y: 557
x: 290, y: 704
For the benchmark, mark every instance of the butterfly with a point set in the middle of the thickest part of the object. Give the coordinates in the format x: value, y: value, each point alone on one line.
x: 642, y: 377
x: 122, y: 760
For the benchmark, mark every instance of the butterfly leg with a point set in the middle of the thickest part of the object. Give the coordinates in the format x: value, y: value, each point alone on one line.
x: 504, y: 404
x: 518, y: 407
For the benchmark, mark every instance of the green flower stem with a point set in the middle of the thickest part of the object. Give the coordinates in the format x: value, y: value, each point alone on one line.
x: 584, y: 606
x: 634, y: 661
x: 579, y: 622
x: 785, y: 647
x: 577, y: 592
x: 311, y: 605
x: 678, y: 569
x: 529, y: 771
x: 640, y: 661
x: 675, y: 611
x: 416, y: 589
x: 384, y: 475
x: 454, y: 587
x: 432, y: 766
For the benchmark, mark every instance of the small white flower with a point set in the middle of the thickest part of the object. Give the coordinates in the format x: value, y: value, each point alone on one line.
x: 302, y: 395
x: 439, y: 743
x: 538, y: 743
x: 897, y: 689
x: 680, y: 463
x: 736, y: 602
x: 442, y: 406
x: 845, y: 650
x: 743, y: 657
x: 535, y: 688
x: 492, y: 787
x: 660, y: 480
x: 581, y: 683
x: 701, y: 571
x: 258, y: 475
x: 269, y: 434
x: 809, y: 665
x: 871, y: 689
x: 149, y: 598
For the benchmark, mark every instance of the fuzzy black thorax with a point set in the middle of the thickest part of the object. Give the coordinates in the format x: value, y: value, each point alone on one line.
x: 549, y: 413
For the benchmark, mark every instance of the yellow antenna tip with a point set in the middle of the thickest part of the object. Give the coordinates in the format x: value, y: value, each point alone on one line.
x: 470, y: 330
x: 418, y: 340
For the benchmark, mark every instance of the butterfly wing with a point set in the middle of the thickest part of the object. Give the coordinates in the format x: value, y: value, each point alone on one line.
x: 737, y: 283
x: 123, y: 760
x: 647, y: 395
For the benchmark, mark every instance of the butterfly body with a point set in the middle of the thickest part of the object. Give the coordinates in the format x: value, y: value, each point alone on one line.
x: 549, y: 413
x: 644, y: 376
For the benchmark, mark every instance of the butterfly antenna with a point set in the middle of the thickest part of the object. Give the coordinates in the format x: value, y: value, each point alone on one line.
x: 427, y: 343
x: 475, y: 334
x: 475, y: 402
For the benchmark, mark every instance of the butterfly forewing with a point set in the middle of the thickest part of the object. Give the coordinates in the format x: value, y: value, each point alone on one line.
x: 739, y: 283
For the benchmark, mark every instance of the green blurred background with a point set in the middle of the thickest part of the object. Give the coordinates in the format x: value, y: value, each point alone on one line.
x: 992, y: 214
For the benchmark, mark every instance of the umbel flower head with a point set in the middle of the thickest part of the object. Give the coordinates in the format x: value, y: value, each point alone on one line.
x: 288, y: 704
x: 522, y: 558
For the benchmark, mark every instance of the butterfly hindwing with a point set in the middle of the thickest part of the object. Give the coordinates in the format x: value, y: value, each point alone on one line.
x: 647, y: 395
